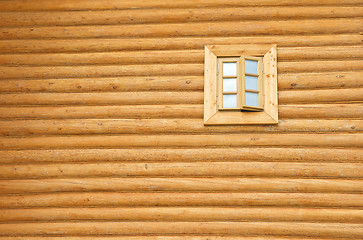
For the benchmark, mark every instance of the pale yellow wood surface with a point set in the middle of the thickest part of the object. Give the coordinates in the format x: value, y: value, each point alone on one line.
x: 102, y: 133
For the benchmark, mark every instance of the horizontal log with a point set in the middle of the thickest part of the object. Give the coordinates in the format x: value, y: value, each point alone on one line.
x: 174, y: 83
x: 102, y: 71
x: 321, y: 96
x: 305, y: 80
x: 141, y: 98
x: 230, y: 28
x: 182, y: 155
x: 191, y: 169
x: 110, y: 17
x: 338, y: 230
x: 167, y: 57
x: 168, y: 43
x: 320, y: 66
x: 352, y: 110
x: 183, y: 214
x: 162, y: 126
x: 184, y: 237
x: 94, y: 199
x: 112, y: 84
x: 180, y: 141
x: 54, y: 5
x: 180, y: 185
x: 127, y: 111
x: 181, y: 69
x: 123, y: 98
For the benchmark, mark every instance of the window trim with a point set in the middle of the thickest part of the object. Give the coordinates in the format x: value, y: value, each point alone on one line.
x: 215, y: 116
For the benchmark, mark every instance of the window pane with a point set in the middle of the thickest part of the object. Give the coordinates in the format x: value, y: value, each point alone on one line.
x: 252, y: 83
x: 251, y: 66
x: 230, y: 69
x: 229, y: 101
x: 230, y: 85
x: 252, y: 99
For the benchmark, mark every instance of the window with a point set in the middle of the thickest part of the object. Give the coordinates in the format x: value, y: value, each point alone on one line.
x: 240, y: 84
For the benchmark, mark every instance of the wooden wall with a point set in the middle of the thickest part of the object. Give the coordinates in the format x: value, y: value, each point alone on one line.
x: 101, y: 129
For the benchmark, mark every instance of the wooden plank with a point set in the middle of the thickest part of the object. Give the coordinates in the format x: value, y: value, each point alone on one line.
x: 339, y: 230
x: 191, y: 169
x: 179, y: 141
x: 126, y: 98
x: 183, y: 214
x: 115, y: 98
x: 109, y: 17
x: 126, y: 111
x: 174, y: 83
x: 322, y: 111
x: 180, y: 185
x: 154, y: 126
x: 321, y: 96
x: 111, y: 84
x: 101, y: 71
x: 182, y: 155
x: 230, y: 28
x: 320, y: 66
x: 184, y: 237
x: 331, y: 200
x: 53, y: 5
x: 312, y: 111
x: 169, y: 43
x: 172, y: 56
x: 320, y: 80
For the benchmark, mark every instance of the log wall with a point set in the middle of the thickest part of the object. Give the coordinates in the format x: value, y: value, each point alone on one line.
x: 101, y: 122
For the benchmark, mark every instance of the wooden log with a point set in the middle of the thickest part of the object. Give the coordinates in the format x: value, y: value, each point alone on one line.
x: 174, y: 83
x: 116, y: 98
x: 127, y: 98
x: 110, y: 17
x: 331, y: 200
x: 353, y: 110
x: 191, y: 169
x: 182, y: 155
x: 230, y: 28
x: 317, y: 80
x: 101, y: 71
x: 155, y: 126
x: 111, y: 84
x: 169, y: 56
x: 180, y: 185
x: 184, y: 237
x: 338, y: 230
x: 320, y: 66
x: 104, y: 58
x: 183, y: 214
x: 54, y: 5
x: 169, y: 43
x: 126, y: 111
x: 343, y: 111
x: 319, y: 96
x: 180, y: 141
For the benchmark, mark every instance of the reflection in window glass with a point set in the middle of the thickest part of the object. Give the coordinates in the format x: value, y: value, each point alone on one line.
x: 229, y: 101
x: 229, y: 69
x: 251, y: 66
x: 251, y: 83
x: 230, y: 85
x: 252, y: 99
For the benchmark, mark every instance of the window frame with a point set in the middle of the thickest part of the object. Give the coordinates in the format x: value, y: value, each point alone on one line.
x: 213, y: 115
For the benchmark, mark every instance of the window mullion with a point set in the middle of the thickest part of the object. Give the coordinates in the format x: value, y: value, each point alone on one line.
x: 241, y: 81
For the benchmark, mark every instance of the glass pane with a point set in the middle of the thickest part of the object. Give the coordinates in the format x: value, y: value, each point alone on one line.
x: 251, y: 66
x: 252, y: 83
x: 230, y: 85
x: 229, y: 101
x: 230, y: 69
x: 252, y: 99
